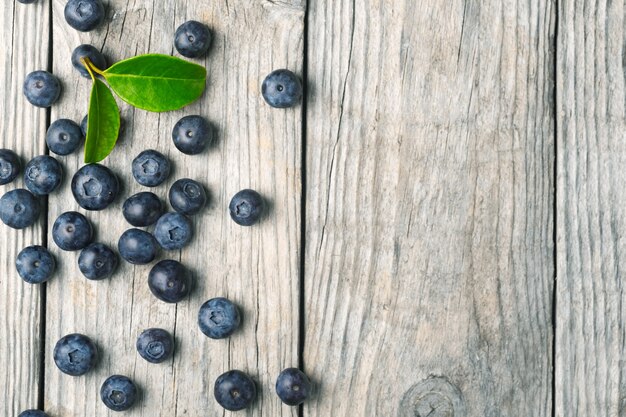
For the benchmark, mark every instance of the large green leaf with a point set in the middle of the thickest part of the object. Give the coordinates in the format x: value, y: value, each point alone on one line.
x: 156, y: 82
x: 103, y: 126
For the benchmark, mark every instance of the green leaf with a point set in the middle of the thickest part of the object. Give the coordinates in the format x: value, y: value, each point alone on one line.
x: 103, y: 126
x: 156, y: 82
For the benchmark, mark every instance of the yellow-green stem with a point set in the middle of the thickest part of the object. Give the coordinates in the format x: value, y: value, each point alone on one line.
x: 91, y: 68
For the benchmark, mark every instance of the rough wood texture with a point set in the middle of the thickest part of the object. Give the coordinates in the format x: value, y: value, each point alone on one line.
x: 591, y: 205
x: 429, y: 267
x: 256, y: 147
x: 23, y: 127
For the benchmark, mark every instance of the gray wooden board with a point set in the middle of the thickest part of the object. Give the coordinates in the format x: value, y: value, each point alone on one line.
x: 256, y: 147
x: 429, y: 208
x: 428, y: 256
x: 591, y: 205
x: 23, y: 127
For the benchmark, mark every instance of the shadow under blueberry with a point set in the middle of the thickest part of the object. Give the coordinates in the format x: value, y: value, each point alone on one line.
x: 268, y: 209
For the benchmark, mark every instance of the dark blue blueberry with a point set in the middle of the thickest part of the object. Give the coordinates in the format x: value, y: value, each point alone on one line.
x: 90, y: 52
x: 169, y: 281
x: 218, y: 318
x: 234, y: 390
x: 64, y: 136
x: 72, y: 231
x: 9, y: 166
x: 118, y: 393
x: 192, y: 135
x: 83, y: 125
x: 187, y: 196
x: 97, y: 261
x: 173, y: 231
x: 142, y: 209
x: 35, y: 264
x: 155, y: 345
x: 26, y: 2
x: 293, y: 387
x: 43, y: 175
x: 282, y: 89
x: 192, y: 39
x: 84, y: 15
x: 246, y: 207
x: 151, y: 168
x: 75, y: 354
x: 19, y: 208
x: 41, y: 88
x: 32, y: 413
x: 95, y: 187
x: 137, y: 246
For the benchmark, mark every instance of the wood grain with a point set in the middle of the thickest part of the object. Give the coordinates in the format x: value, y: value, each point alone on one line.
x: 256, y: 147
x: 591, y: 220
x: 429, y: 208
x: 23, y: 127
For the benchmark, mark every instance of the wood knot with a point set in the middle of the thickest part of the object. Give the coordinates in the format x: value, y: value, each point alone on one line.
x: 432, y: 397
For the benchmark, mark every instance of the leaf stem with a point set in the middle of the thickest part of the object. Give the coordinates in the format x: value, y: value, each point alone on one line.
x: 91, y: 68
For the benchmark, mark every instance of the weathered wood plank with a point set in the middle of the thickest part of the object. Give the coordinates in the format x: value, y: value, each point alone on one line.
x: 429, y: 266
x: 23, y: 127
x: 257, y: 267
x: 591, y: 206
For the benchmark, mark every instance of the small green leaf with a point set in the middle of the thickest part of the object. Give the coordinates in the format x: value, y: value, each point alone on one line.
x: 156, y: 82
x: 103, y: 124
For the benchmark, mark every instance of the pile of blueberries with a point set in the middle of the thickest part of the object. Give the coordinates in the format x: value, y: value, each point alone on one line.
x: 95, y: 187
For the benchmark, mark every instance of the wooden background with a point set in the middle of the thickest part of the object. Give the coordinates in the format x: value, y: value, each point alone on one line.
x: 446, y: 235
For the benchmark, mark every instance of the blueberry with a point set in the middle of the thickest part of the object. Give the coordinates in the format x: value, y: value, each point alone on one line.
x: 9, y: 166
x: 234, y: 390
x: 32, y: 413
x: 151, y: 168
x: 35, y: 264
x: 173, y: 231
x: 192, y: 135
x: 192, y: 39
x: 43, y: 175
x: 293, y: 387
x: 72, y: 231
x: 187, y: 196
x: 83, y: 125
x: 64, y: 136
x: 282, y: 89
x: 27, y: 2
x: 118, y: 393
x: 90, y: 52
x: 75, y: 354
x: 84, y: 15
x: 218, y: 318
x: 155, y: 345
x: 19, y: 208
x: 137, y: 246
x: 95, y: 187
x: 41, y: 88
x: 246, y: 207
x: 97, y: 261
x: 142, y: 209
x: 169, y: 281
